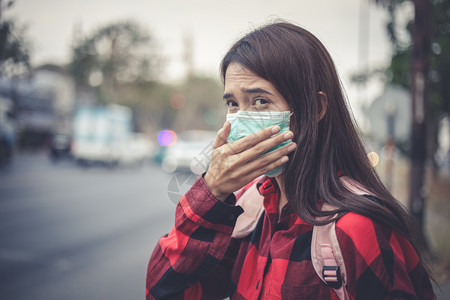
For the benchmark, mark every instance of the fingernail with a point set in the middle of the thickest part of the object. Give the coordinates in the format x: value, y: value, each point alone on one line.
x: 291, y: 147
x: 275, y: 129
x: 288, y: 135
x: 284, y: 159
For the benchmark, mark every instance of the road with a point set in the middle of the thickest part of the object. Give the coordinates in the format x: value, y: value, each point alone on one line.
x: 83, y: 233
x: 79, y: 233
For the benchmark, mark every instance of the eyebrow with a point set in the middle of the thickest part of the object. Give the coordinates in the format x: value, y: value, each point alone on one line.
x: 248, y: 91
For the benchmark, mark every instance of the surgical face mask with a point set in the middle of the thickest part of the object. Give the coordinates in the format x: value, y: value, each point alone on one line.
x: 244, y: 123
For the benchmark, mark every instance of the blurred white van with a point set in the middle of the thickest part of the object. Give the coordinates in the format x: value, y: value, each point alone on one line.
x: 191, y: 152
x: 104, y: 135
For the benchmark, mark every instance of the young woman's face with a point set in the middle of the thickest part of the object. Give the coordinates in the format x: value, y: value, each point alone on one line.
x: 245, y: 90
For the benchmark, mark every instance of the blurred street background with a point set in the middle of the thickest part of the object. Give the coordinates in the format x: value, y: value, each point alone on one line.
x: 108, y: 110
x: 74, y: 233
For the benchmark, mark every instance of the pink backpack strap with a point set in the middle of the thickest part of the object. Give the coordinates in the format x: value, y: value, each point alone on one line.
x: 354, y: 186
x: 253, y: 204
x: 327, y: 257
x: 326, y: 254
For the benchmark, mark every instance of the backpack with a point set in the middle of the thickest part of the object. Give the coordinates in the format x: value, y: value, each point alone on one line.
x: 326, y: 255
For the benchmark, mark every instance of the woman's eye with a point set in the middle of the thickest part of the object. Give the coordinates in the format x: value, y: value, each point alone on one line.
x: 261, y: 101
x: 231, y: 103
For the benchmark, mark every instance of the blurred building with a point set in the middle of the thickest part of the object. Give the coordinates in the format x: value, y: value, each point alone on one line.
x: 42, y: 104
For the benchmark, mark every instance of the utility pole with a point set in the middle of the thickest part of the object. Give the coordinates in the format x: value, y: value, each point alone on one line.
x: 419, y: 96
x: 188, y: 57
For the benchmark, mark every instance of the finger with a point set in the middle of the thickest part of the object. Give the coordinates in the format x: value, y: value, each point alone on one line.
x: 222, y: 135
x: 253, y: 139
x: 262, y: 170
x: 263, y: 147
x: 268, y: 161
x: 268, y: 144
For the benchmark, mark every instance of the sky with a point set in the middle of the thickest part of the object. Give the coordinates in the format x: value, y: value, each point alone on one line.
x: 214, y: 25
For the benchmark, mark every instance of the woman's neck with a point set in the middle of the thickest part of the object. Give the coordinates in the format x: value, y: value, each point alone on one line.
x: 282, y: 201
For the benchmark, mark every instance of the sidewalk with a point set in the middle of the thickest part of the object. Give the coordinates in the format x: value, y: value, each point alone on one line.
x: 444, y: 292
x: 437, y: 216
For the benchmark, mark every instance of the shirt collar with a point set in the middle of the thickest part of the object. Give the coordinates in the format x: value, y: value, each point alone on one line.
x: 268, y: 188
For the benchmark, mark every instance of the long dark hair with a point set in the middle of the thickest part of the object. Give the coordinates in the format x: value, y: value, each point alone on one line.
x: 300, y: 67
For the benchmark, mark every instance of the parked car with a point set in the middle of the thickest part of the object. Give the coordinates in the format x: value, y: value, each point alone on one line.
x: 7, y: 131
x: 136, y: 151
x: 60, y: 147
x: 191, y: 152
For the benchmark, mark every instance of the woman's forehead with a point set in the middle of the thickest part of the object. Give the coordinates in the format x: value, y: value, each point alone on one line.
x: 238, y: 76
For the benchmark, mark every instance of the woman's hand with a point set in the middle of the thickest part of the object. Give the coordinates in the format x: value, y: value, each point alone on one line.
x: 236, y: 164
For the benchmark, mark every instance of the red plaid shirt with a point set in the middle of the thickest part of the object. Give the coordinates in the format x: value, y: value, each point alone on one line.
x: 198, y: 259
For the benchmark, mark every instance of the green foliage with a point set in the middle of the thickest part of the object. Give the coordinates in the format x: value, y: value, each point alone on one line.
x: 440, y: 60
x: 398, y: 72
x: 118, y: 64
x: 439, y: 73
x: 114, y: 55
x: 14, y: 48
x: 392, y: 26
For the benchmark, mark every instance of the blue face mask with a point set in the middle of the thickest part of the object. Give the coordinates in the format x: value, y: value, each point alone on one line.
x: 244, y: 123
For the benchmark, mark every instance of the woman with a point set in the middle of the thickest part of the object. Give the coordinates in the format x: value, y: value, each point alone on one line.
x: 283, y: 72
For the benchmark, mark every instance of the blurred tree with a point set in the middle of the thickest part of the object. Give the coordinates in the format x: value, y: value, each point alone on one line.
x: 14, y: 49
x: 438, y: 76
x: 150, y: 103
x: 203, y: 108
x: 195, y: 103
x: 119, y: 63
x: 114, y: 56
x: 420, y: 65
x: 399, y: 70
x: 14, y: 52
x: 420, y: 62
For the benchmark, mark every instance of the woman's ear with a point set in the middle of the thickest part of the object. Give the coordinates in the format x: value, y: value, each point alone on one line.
x: 323, y: 102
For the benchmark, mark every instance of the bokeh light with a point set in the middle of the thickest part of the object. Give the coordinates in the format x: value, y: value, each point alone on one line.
x: 373, y: 158
x: 177, y: 101
x: 167, y: 138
